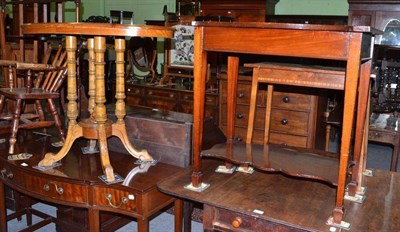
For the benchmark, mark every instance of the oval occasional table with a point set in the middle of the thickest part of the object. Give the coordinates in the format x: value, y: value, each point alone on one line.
x: 97, y: 126
x: 82, y: 192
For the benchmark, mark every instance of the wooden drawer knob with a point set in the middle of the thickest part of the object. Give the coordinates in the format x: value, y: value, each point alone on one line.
x: 239, y: 115
x: 236, y: 222
x: 286, y: 99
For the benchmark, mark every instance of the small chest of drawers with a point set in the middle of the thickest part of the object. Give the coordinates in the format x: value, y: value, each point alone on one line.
x: 296, y: 114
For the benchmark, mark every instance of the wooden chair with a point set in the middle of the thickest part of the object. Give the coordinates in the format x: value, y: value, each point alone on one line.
x: 41, y: 83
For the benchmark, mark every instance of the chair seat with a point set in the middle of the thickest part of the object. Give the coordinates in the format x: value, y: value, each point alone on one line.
x: 32, y: 83
x: 20, y: 93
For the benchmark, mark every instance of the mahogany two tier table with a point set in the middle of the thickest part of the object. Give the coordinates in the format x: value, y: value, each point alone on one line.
x: 349, y: 45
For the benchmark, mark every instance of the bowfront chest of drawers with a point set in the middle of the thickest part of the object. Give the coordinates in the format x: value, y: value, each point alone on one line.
x: 82, y: 200
x: 296, y: 114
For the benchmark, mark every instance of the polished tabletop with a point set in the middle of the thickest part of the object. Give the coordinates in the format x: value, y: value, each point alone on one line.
x: 100, y: 29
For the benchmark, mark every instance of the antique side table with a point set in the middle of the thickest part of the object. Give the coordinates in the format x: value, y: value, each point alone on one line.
x: 350, y: 45
x: 97, y: 126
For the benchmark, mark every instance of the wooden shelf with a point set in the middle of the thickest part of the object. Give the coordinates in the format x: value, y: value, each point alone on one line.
x: 296, y: 162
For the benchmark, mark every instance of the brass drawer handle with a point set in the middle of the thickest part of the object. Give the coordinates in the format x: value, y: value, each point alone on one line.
x: 284, y: 121
x: 236, y: 222
x: 59, y: 190
x: 124, y: 201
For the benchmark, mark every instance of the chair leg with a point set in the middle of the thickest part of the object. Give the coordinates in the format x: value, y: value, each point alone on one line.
x: 39, y: 110
x: 56, y: 117
x: 2, y: 100
x: 14, y: 127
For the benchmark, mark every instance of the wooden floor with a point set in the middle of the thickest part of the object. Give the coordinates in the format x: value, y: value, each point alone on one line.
x: 295, y: 202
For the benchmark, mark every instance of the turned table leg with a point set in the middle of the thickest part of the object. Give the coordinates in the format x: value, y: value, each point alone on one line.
x: 74, y: 130
x: 118, y: 128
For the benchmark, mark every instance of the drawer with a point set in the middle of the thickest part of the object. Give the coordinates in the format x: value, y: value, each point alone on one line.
x: 133, y: 91
x: 161, y: 104
x: 210, y: 110
x: 288, y: 140
x: 114, y: 198
x: 241, y: 134
x: 383, y: 136
x: 291, y: 122
x: 242, y: 116
x: 133, y: 100
x: 209, y: 99
x: 58, y: 190
x: 12, y: 176
x: 160, y: 94
x: 275, y: 138
x: 226, y: 220
x: 292, y: 101
x: 243, y: 93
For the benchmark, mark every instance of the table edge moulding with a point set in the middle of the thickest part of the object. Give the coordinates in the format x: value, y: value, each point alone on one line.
x: 97, y: 126
x: 349, y: 44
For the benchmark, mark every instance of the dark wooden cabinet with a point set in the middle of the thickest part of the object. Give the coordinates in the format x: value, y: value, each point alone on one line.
x: 375, y: 13
x: 378, y: 14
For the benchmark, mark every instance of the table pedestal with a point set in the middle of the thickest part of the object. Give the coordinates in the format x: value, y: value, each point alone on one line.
x: 97, y: 126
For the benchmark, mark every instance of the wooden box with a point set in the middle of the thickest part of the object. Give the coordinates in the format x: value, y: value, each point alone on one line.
x: 167, y: 135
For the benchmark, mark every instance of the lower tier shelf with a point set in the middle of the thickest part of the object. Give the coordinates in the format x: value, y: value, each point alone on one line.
x: 297, y: 162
